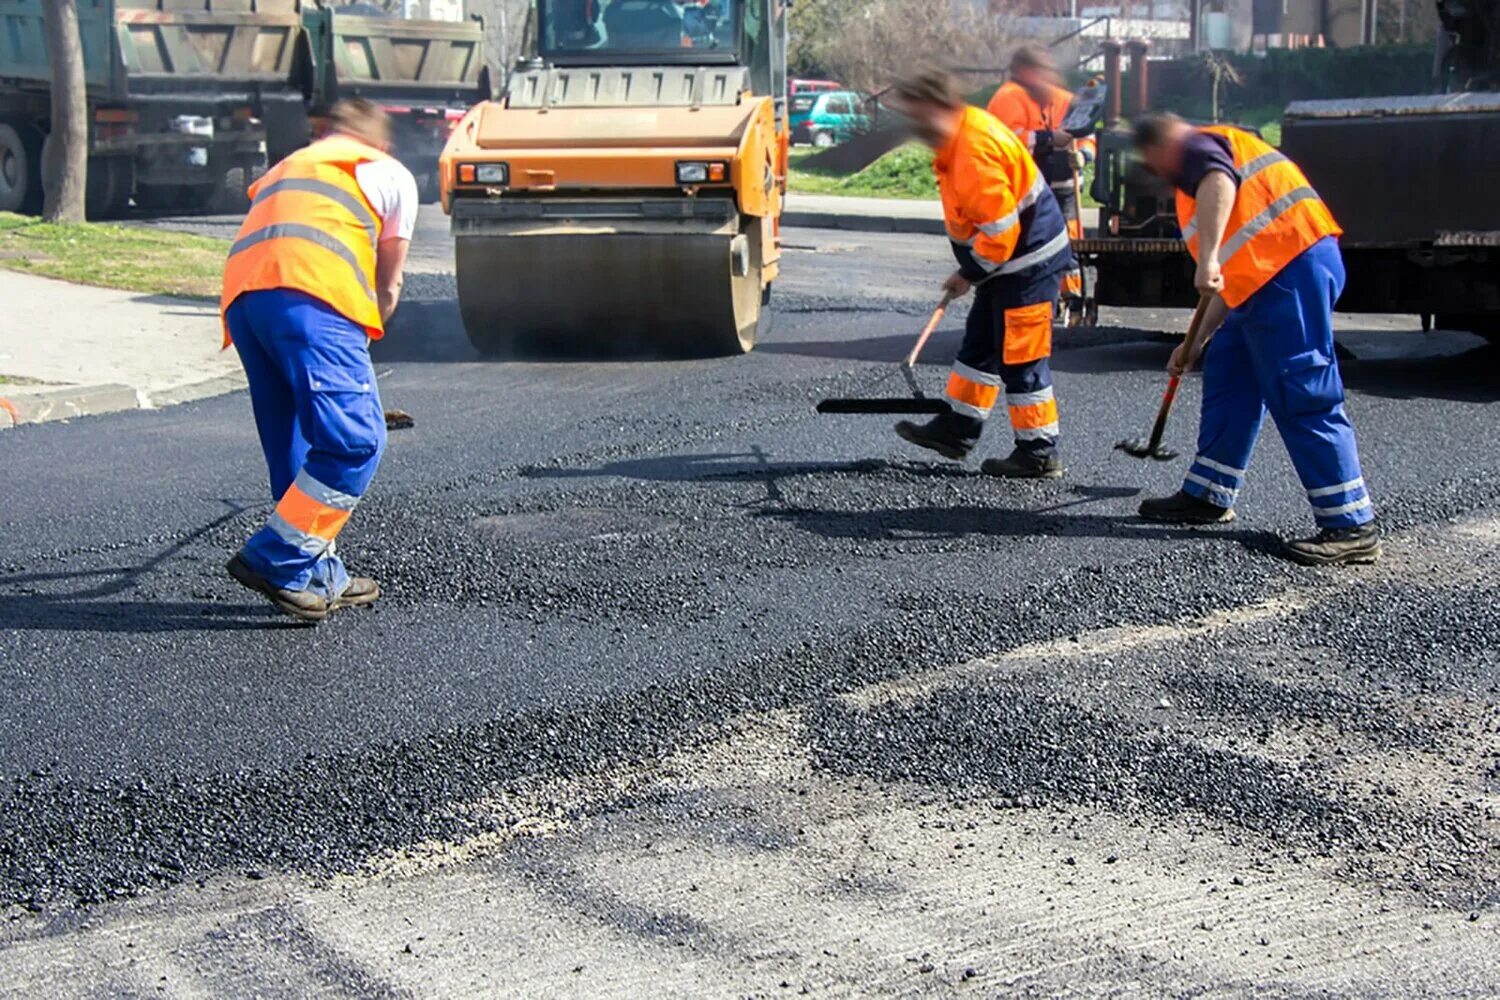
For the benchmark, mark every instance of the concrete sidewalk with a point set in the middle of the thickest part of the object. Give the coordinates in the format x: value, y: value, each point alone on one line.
x: 71, y: 350
x: 876, y: 215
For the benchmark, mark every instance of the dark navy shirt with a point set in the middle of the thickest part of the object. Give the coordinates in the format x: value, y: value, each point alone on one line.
x: 1203, y: 153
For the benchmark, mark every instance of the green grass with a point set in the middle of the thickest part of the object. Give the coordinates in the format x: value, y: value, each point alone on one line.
x: 156, y: 262
x: 904, y: 172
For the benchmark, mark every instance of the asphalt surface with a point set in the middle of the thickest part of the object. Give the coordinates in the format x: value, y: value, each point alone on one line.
x: 594, y: 565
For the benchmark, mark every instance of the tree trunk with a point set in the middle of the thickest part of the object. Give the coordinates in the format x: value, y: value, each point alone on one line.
x: 65, y: 163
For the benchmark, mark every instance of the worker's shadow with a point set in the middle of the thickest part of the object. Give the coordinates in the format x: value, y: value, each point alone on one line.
x: 103, y: 599
x: 966, y: 520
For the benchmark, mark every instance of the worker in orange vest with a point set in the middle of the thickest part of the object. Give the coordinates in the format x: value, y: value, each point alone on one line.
x: 311, y: 279
x: 1033, y: 104
x: 1011, y: 244
x: 1267, y: 251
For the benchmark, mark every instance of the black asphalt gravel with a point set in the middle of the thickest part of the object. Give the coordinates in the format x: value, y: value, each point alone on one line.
x: 588, y: 563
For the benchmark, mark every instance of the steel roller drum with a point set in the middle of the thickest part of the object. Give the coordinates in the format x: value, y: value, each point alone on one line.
x: 670, y: 287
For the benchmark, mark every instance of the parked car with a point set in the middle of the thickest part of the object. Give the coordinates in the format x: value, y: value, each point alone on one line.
x: 829, y: 118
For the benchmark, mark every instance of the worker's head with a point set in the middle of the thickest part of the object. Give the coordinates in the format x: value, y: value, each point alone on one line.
x: 364, y: 120
x: 1159, y: 137
x: 932, y: 102
x: 1033, y: 67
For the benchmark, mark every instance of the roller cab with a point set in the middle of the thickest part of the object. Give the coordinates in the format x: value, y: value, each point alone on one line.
x: 624, y: 195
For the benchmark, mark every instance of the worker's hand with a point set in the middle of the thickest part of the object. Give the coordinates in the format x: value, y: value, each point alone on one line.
x: 1183, y: 358
x: 1079, y: 161
x: 1210, y: 279
x: 1061, y: 138
x: 957, y: 286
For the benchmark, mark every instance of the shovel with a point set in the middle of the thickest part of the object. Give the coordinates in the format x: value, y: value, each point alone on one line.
x: 916, y: 402
x: 1153, y: 448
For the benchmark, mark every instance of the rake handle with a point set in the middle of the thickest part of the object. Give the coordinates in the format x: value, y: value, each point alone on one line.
x: 1194, y: 328
x: 1166, y: 408
x: 927, y: 331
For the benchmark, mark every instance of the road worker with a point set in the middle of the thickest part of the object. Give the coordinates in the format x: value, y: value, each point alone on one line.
x: 311, y: 279
x: 1033, y: 104
x: 1266, y: 248
x: 1011, y: 244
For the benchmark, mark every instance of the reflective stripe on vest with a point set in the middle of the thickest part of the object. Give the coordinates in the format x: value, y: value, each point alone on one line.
x: 1275, y: 217
x: 311, y: 229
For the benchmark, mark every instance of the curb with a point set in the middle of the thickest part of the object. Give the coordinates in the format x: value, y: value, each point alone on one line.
x: 863, y: 223
x: 92, y: 400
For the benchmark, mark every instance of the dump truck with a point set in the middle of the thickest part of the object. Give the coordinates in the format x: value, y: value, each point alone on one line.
x: 177, y: 97
x: 624, y: 194
x: 424, y: 72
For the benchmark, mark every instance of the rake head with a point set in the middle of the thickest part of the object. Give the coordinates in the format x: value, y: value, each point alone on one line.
x: 1142, y: 448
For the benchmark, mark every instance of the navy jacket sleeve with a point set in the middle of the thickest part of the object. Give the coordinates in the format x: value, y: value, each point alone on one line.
x: 967, y: 266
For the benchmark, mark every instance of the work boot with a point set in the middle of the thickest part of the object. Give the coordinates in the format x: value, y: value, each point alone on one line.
x: 940, y: 435
x: 1336, y: 546
x: 1184, y: 508
x: 1022, y: 464
x: 301, y: 604
x: 361, y: 591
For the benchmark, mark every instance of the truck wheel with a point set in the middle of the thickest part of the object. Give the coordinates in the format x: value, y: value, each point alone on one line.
x: 107, y: 193
x: 20, y: 168
x: 231, y: 198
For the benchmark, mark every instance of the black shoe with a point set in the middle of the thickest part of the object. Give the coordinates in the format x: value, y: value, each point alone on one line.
x: 1184, y: 508
x: 298, y: 603
x: 936, y: 435
x: 361, y: 591
x: 1023, y: 465
x: 1336, y: 546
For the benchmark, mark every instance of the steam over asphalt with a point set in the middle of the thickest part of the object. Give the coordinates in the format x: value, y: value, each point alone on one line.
x: 590, y: 567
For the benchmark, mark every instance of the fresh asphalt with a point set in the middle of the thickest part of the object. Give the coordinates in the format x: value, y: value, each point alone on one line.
x: 591, y: 563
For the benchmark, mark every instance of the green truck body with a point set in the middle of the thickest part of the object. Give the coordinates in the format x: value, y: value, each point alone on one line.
x: 189, y: 100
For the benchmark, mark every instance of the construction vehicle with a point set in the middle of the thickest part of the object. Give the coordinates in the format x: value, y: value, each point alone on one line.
x: 625, y: 192
x: 1410, y: 180
x: 176, y: 96
x: 424, y: 72
x: 1406, y: 177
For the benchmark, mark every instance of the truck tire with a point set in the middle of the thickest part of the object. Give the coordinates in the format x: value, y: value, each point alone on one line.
x: 20, y: 168
x: 232, y: 198
x: 110, y: 181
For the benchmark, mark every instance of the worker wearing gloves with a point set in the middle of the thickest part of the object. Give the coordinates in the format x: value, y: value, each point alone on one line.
x: 312, y: 277
x: 1267, y: 250
x: 1034, y: 105
x: 1011, y: 244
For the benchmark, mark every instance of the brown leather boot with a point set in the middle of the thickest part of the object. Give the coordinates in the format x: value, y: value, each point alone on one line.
x: 302, y: 604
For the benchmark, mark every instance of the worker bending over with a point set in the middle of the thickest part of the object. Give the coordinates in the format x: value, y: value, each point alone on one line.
x: 1011, y: 243
x: 311, y: 278
x: 1033, y: 104
x: 1267, y: 249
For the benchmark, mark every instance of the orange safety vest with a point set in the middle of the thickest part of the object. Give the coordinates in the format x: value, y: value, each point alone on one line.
x: 311, y: 228
x: 1020, y: 112
x: 994, y: 199
x: 1276, y: 216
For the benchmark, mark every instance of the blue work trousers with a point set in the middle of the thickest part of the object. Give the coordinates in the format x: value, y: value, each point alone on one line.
x: 321, y: 427
x: 1275, y: 354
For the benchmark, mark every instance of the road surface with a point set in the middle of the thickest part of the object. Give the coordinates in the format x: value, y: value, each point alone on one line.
x: 680, y: 688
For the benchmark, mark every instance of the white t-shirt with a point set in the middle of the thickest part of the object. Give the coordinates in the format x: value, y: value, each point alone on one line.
x: 392, y: 192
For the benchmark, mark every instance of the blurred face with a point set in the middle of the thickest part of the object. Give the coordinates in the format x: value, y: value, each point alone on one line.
x: 931, y: 124
x: 1164, y: 158
x: 1035, y: 77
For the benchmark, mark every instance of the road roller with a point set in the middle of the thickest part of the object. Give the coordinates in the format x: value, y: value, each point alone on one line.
x: 624, y: 194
